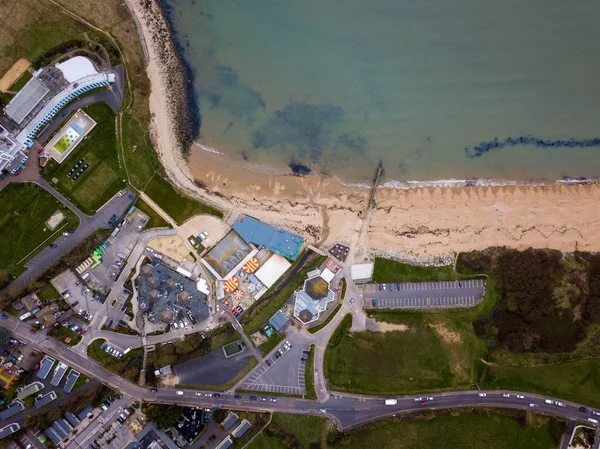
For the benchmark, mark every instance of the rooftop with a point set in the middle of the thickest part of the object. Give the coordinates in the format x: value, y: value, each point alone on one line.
x: 45, y: 399
x: 313, y: 299
x: 45, y: 367
x: 13, y: 408
x: 227, y: 254
x: 277, y: 240
x: 228, y: 422
x: 242, y: 428
x: 26, y: 99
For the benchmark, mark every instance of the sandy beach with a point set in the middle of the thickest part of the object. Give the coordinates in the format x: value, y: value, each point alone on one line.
x: 420, y: 222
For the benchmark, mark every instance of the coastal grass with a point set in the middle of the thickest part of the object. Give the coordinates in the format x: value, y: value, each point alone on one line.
x: 387, y: 270
x: 18, y: 85
x: 309, y: 374
x: 104, y: 177
x: 284, y: 288
x: 271, y: 343
x: 176, y: 204
x: 155, y: 220
x: 317, y: 328
x: 464, y: 429
x: 30, y: 28
x: 23, y: 224
x: 128, y: 366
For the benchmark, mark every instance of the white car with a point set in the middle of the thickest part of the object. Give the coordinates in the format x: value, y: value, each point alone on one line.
x: 429, y: 398
x: 548, y: 401
x: 533, y: 405
x: 505, y: 395
x: 418, y: 399
x: 520, y: 396
x: 482, y: 395
x: 175, y: 325
x: 208, y: 395
x: 179, y: 393
x: 198, y: 394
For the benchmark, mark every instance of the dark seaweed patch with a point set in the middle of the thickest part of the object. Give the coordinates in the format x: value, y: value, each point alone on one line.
x: 229, y: 93
x: 299, y: 168
x: 304, y: 126
x: 484, y: 147
x: 354, y: 141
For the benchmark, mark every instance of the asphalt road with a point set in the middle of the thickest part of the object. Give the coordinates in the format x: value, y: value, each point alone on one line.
x: 347, y: 410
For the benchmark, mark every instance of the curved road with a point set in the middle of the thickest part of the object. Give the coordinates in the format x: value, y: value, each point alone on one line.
x: 347, y: 410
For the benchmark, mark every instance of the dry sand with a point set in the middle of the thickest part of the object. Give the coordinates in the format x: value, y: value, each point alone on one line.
x: 13, y: 74
x: 420, y: 222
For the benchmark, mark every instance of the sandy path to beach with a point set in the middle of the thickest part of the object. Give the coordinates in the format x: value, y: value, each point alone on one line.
x: 421, y: 222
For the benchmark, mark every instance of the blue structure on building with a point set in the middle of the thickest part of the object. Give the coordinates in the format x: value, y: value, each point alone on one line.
x: 274, y: 239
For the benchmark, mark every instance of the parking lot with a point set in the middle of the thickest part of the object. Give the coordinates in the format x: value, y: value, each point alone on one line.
x: 285, y: 373
x: 76, y: 294
x: 416, y: 295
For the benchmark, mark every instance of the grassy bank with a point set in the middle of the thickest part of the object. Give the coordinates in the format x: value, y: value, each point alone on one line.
x: 465, y: 430
x: 305, y: 432
x: 309, y: 375
x: 62, y: 333
x: 128, y: 367
x: 331, y: 316
x: 23, y: 225
x: 155, y: 220
x: 387, y: 270
x: 104, y: 176
x: 179, y: 206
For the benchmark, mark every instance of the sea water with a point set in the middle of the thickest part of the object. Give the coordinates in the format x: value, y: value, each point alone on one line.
x: 340, y: 85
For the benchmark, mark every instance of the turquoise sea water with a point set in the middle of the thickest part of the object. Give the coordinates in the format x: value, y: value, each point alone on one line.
x: 343, y: 84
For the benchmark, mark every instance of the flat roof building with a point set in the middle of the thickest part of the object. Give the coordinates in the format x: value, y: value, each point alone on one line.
x: 278, y: 320
x: 59, y: 372
x: 242, y: 429
x: 26, y: 99
x: 45, y: 399
x: 228, y: 256
x: 226, y: 443
x: 83, y: 413
x: 228, y: 422
x: 272, y: 270
x: 274, y: 239
x: 362, y: 273
x: 13, y: 408
x: 9, y: 430
x: 45, y: 367
x: 73, y: 420
x: 30, y: 389
x: 71, y: 379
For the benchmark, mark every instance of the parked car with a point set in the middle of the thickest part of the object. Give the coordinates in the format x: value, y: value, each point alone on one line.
x: 52, y: 245
x: 4, y: 316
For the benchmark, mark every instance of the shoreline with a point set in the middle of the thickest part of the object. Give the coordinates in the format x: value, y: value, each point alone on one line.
x: 426, y: 219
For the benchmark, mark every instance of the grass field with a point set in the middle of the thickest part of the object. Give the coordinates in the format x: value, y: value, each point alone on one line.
x: 272, y: 305
x: 386, y: 270
x: 24, y: 228
x: 156, y: 221
x: 18, y: 85
x: 176, y: 204
x: 464, y: 430
x: 60, y: 333
x: 128, y: 367
x: 47, y: 293
x: 103, y: 178
x: 309, y: 431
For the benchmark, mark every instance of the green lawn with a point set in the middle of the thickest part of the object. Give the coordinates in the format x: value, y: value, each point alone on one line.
x: 387, y: 270
x: 22, y: 225
x: 47, y: 293
x: 18, y: 85
x: 103, y: 178
x: 331, y: 316
x: 261, y: 313
x: 60, y: 333
x: 128, y: 367
x: 156, y: 221
x: 271, y: 343
x: 578, y: 381
x: 306, y: 431
x: 179, y: 206
x: 464, y: 430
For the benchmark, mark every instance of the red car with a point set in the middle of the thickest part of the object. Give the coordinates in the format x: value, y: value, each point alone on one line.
x: 423, y: 402
x: 32, y: 331
x: 40, y: 149
x: 82, y: 332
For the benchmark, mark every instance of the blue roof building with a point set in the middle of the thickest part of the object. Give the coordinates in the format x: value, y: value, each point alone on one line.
x: 83, y: 413
x: 263, y: 235
x: 45, y: 367
x: 14, y: 408
x: 278, y: 320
